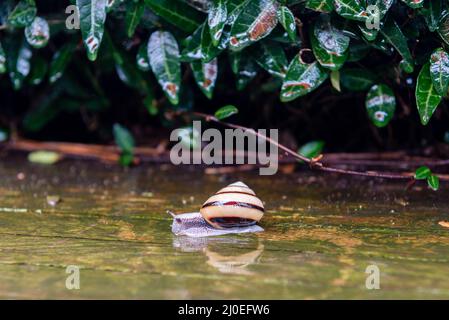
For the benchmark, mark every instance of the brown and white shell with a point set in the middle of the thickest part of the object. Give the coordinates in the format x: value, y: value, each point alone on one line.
x: 233, y: 206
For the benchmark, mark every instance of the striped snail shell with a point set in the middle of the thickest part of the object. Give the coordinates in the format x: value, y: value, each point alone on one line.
x: 233, y: 206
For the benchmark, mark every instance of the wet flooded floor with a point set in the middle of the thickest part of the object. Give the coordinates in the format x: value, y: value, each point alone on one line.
x: 321, y: 233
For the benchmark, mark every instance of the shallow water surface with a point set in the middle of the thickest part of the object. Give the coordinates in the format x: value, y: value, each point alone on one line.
x: 321, y: 233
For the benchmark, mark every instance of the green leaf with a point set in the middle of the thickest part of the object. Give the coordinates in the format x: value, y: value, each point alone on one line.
x: 380, y: 104
x: 356, y: 79
x: 38, y: 33
x: 422, y: 173
x: 432, y: 12
x: 128, y: 72
x: 39, y: 68
x: 92, y: 18
x: 177, y: 13
x: 234, y: 8
x: 427, y: 98
x: 256, y: 20
x: 271, y: 57
x: 18, y: 57
x: 208, y: 51
x: 216, y: 19
x: 311, y: 149
x: 123, y: 139
x: 2, y: 60
x: 226, y: 112
x: 205, y: 74
x: 192, y: 50
x: 350, y: 9
x: 143, y: 63
x: 287, y: 20
x: 163, y: 53
x: 320, y: 5
x: 439, y: 70
x: 414, y: 3
x: 301, y: 79
x: 44, y: 157
x: 60, y: 61
x: 329, y: 44
x: 335, y: 80
x: 393, y: 34
x: 23, y: 14
x: 126, y: 159
x: 433, y: 182
x: 134, y: 12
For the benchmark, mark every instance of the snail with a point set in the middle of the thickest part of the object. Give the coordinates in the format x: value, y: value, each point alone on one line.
x: 233, y: 209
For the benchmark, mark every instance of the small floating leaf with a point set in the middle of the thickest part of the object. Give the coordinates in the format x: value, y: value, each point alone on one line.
x: 92, y: 18
x: 433, y: 182
x: 134, y: 12
x: 287, y: 20
x: 311, y: 149
x: 205, y: 74
x: 380, y: 104
x: 439, y: 70
x: 60, y: 61
x: 217, y: 16
x: 301, y: 79
x: 226, y: 112
x: 23, y: 14
x: 256, y: 20
x: 123, y: 139
x: 38, y: 33
x: 44, y: 157
x: 422, y: 173
x: 427, y: 98
x: 163, y: 53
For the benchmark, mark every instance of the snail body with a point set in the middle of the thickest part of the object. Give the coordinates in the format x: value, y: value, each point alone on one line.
x: 233, y: 209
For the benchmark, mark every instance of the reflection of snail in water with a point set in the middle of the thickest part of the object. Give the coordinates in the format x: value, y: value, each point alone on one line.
x: 233, y: 209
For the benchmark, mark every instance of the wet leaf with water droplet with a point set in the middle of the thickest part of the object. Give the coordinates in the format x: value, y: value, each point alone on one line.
x: 23, y: 14
x: 287, y: 20
x: 393, y: 34
x: 301, y: 79
x: 380, y: 104
x: 234, y: 7
x: 350, y: 9
x: 205, y: 74
x: 256, y: 20
x: 271, y: 57
x: 427, y: 97
x: 38, y: 33
x: 134, y: 12
x: 92, y: 18
x: 60, y: 61
x: 320, y: 5
x: 163, y: 53
x: 217, y: 16
x: 439, y: 70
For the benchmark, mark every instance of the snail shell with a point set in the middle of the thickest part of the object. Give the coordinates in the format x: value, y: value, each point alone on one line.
x: 233, y: 206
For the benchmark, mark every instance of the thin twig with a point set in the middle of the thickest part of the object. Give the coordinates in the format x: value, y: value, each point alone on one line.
x: 314, y: 163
